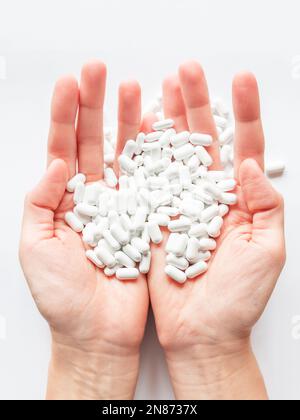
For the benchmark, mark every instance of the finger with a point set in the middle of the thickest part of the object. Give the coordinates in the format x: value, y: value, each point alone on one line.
x: 90, y: 120
x: 129, y: 115
x: 198, y: 109
x: 173, y: 103
x: 62, y: 136
x: 43, y: 200
x: 264, y: 203
x: 249, y: 136
x: 148, y: 120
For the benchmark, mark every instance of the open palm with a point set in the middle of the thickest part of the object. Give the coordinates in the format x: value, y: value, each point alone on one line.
x: 223, y: 304
x: 81, y: 304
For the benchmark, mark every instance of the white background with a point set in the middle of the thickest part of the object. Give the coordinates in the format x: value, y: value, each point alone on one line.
x: 40, y: 40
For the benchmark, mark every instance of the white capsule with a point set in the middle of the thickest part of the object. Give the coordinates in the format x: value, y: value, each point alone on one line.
x: 140, y: 218
x: 214, y: 227
x: 160, y: 218
x: 100, y: 227
x: 171, y: 245
x: 204, y: 156
x: 193, y: 163
x: 215, y: 176
x: 198, y: 230
x: 156, y: 183
x: 138, y: 160
x: 111, y: 241
x: 184, y: 152
x: 144, y: 266
x: 196, y: 270
x: 229, y: 199
x: 131, y: 203
x: 191, y: 208
x: 83, y: 219
x: 123, y: 182
x: 212, y: 189
x: 145, y: 235
x: 119, y: 234
x: 207, y: 244
x: 185, y: 177
x: 154, y: 232
x: 126, y: 164
x: 154, y: 136
x: 180, y: 139
x: 87, y: 209
x: 109, y: 272
x: 198, y: 139
x: 92, y: 193
x: 182, y: 242
x: 103, y: 204
x: 169, y: 211
x: 223, y: 210
x: 199, y: 194
x: 127, y: 273
x: 105, y: 256
x: 175, y: 274
x: 220, y: 122
x: 163, y: 125
x: 79, y: 193
x: 109, y: 158
x: 227, y: 136
x: 275, y: 169
x: 174, y: 189
x: 225, y: 155
x: 192, y: 249
x: 110, y: 177
x: 122, y: 201
x: 132, y: 252
x: 179, y: 225
x: 165, y: 138
x: 88, y: 233
x: 178, y: 262
x: 91, y: 255
x: 73, y: 221
x: 167, y: 152
x: 209, y: 213
x: 113, y: 217
x: 220, y: 108
x: 129, y: 148
x: 142, y: 246
x: 123, y: 260
x: 71, y: 185
x: 227, y: 185
x: 164, y: 199
x: 126, y: 223
x: 139, y: 143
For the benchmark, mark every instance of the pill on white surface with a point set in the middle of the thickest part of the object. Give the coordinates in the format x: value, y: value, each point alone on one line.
x: 127, y: 164
x: 209, y: 213
x: 105, y: 256
x: 180, y: 139
x: 214, y: 227
x: 129, y: 148
x: 127, y: 273
x: 207, y: 244
x: 144, y: 266
x: 74, y: 222
x: 184, y: 152
x: 91, y: 255
x: 79, y: 193
x: 163, y: 125
x: 275, y: 168
x: 196, y: 270
x: 198, y: 139
x: 204, y: 156
x: 226, y: 136
x: 175, y: 274
x: 71, y: 185
x: 110, y: 177
x: 142, y: 246
x: 179, y: 225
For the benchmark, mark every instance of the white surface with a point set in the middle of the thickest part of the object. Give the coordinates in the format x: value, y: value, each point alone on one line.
x: 41, y: 40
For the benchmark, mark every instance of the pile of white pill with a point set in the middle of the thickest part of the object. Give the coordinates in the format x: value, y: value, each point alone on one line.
x: 165, y: 183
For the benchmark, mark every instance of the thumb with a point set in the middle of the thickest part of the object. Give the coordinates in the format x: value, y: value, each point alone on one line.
x: 264, y: 203
x: 43, y: 200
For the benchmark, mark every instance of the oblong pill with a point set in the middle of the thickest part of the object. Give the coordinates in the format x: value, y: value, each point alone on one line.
x: 127, y: 273
x: 196, y: 270
x: 175, y: 274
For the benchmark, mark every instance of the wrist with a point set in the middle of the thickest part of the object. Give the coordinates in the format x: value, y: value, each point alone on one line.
x: 101, y: 373
x: 222, y: 372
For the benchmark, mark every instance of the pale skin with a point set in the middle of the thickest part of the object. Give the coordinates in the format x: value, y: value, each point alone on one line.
x: 97, y: 323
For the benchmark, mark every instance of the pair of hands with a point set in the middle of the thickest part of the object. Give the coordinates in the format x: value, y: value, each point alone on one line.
x: 97, y: 323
